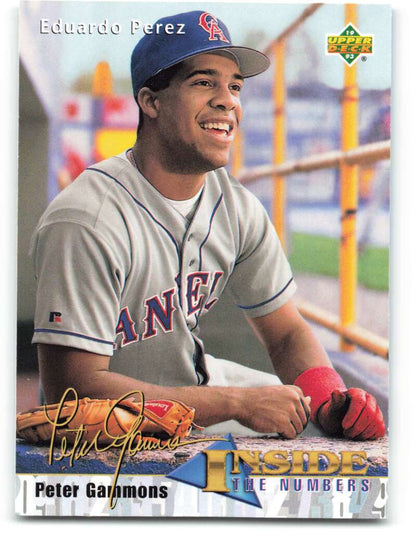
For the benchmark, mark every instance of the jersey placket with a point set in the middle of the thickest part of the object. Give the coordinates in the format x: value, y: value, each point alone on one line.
x: 189, y: 264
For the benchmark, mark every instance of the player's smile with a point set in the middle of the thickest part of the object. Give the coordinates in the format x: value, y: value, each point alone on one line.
x: 218, y: 127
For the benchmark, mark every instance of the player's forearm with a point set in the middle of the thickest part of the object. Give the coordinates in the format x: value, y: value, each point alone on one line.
x: 298, y: 351
x: 212, y: 404
x: 290, y: 342
x: 264, y: 409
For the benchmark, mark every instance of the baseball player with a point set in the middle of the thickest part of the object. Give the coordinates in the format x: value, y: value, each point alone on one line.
x: 139, y: 247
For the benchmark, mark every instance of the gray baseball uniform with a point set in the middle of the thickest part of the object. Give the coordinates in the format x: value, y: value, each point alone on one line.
x: 121, y: 272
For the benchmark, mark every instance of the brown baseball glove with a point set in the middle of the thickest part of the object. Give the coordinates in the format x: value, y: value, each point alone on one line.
x: 157, y: 420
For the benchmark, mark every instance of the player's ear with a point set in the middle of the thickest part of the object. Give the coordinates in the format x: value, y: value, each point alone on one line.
x: 148, y: 101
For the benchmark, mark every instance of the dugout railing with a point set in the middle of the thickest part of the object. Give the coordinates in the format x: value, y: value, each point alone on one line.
x: 347, y: 160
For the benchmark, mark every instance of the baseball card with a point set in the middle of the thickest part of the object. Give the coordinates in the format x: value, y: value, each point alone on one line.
x: 203, y: 260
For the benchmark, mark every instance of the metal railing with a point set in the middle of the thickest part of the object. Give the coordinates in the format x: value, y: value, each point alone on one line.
x: 363, y: 154
x: 347, y: 160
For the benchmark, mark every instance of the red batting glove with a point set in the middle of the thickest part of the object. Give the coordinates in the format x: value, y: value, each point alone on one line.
x: 352, y: 413
x: 332, y: 412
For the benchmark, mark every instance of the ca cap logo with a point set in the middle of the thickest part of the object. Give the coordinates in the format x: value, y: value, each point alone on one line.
x: 210, y: 24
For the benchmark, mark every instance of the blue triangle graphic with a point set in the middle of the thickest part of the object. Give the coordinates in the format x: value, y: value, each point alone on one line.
x: 193, y: 472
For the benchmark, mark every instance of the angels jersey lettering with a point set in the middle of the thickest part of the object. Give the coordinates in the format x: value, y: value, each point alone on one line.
x: 135, y: 278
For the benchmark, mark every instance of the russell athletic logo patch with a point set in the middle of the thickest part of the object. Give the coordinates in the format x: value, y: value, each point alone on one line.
x: 350, y: 44
x: 55, y: 317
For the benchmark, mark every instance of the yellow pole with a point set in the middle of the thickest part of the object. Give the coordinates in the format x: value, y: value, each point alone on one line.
x: 237, y: 157
x: 279, y: 140
x: 102, y: 84
x: 349, y: 193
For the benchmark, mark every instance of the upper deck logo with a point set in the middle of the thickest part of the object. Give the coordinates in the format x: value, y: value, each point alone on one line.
x: 349, y: 44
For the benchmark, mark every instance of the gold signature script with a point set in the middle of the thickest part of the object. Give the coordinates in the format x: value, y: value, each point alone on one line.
x: 129, y: 443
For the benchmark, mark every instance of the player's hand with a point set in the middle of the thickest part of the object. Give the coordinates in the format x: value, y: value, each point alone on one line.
x: 279, y: 409
x: 353, y: 414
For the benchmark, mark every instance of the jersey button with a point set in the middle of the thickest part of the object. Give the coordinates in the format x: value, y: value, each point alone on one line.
x: 191, y: 262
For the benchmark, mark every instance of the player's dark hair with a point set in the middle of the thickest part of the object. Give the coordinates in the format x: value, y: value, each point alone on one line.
x: 159, y: 82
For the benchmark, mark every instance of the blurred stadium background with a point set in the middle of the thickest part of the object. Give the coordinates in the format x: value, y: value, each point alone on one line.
x: 76, y: 108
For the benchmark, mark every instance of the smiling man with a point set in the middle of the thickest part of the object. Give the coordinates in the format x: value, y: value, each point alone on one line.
x: 134, y: 252
x: 190, y: 125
